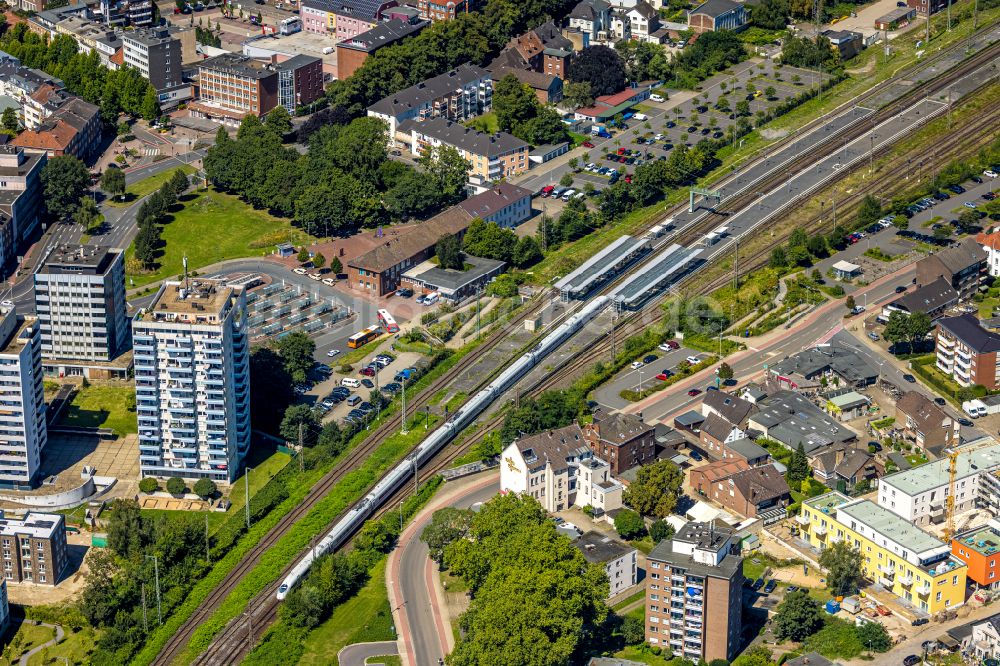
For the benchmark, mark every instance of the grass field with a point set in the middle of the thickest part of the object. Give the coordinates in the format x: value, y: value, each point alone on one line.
x: 210, y: 227
x: 836, y: 640
x: 103, y: 406
x: 141, y: 188
x: 260, y: 473
x: 485, y: 123
x: 364, y: 618
x: 75, y: 647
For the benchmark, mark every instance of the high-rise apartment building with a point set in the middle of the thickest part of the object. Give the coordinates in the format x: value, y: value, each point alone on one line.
x: 694, y: 597
x: 22, y: 402
x: 192, y: 381
x: 156, y: 53
x: 33, y: 548
x: 80, y: 302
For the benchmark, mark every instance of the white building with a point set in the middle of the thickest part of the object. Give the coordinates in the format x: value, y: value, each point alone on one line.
x: 592, y: 18
x: 22, y: 401
x: 80, y: 301
x: 192, y: 381
x: 919, y: 495
x: 985, y: 640
x: 619, y: 560
x: 595, y: 487
x: 545, y: 466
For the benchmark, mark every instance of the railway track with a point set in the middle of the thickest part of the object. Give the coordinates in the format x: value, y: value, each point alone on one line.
x: 227, y: 643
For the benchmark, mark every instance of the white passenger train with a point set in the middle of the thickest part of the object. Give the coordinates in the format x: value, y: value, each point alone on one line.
x: 384, y: 489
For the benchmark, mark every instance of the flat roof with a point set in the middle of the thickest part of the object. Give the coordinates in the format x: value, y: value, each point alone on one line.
x: 581, y: 279
x: 891, y: 525
x: 935, y: 474
x: 79, y: 260
x: 298, y: 43
x: 200, y: 299
x: 37, y: 525
x: 984, y: 539
x: 659, y: 270
x: 828, y: 502
x: 598, y: 548
x: 729, y: 566
x: 451, y: 280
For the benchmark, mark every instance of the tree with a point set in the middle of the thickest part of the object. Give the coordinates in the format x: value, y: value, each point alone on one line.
x: 278, y: 121
x: 296, y: 351
x: 146, y: 243
x: 300, y: 420
x: 869, y: 211
x: 87, y: 215
x: 798, y: 465
x: 9, y: 120
x: 489, y: 240
x: 113, y: 182
x: 874, y: 636
x: 901, y: 222
x: 725, y: 371
x: 566, y: 180
x: 319, y: 260
x: 660, y: 530
x: 629, y: 524
x: 303, y: 256
x: 176, y: 486
x: 526, y: 252
x: 849, y: 302
x: 150, y: 109
x: 942, y: 232
x: 770, y: 92
x: 842, y: 563
x: 578, y: 95
x: 798, y: 617
x: 149, y: 485
x: 336, y: 267
x: 601, y: 67
x: 756, y: 655
x: 778, y: 258
x: 633, y: 630
x: 513, y: 102
x: 65, y: 179
x: 447, y: 526
x: 204, y: 488
x: 896, y: 329
x: 449, y: 252
x: 918, y: 325
x: 771, y: 14
x: 656, y: 489
x: 179, y: 182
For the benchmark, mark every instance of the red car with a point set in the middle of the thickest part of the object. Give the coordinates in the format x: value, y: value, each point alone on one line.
x: 694, y: 392
x: 587, y: 144
x: 368, y: 372
x: 628, y: 179
x: 621, y: 151
x: 663, y: 376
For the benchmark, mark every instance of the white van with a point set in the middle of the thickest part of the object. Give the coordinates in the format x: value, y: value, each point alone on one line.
x: 431, y: 299
x: 974, y: 408
x: 568, y: 194
x: 350, y: 382
x: 656, y: 98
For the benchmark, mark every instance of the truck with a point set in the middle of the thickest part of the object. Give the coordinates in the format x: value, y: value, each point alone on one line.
x: 641, y: 116
x: 974, y: 408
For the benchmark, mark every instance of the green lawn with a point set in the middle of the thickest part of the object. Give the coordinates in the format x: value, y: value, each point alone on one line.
x: 642, y: 654
x: 485, y: 123
x: 75, y: 647
x: 385, y: 660
x: 364, y: 618
x: 630, y: 600
x: 836, y: 640
x: 210, y: 227
x: 103, y: 406
x: 260, y: 473
x: 146, y: 186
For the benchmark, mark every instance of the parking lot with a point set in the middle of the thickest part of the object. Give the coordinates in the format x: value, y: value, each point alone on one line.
x: 644, y: 376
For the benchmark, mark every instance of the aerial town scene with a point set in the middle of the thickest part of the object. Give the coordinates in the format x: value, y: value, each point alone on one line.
x: 500, y: 332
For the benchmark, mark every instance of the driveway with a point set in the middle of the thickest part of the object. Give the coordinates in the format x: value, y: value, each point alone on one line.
x: 359, y: 653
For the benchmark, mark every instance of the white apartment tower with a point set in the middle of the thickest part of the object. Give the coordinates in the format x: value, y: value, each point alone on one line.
x: 80, y: 302
x: 192, y: 381
x: 22, y: 400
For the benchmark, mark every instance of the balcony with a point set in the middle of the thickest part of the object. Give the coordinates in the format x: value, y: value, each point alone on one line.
x: 923, y: 590
x: 906, y: 579
x: 802, y: 520
x: 819, y: 531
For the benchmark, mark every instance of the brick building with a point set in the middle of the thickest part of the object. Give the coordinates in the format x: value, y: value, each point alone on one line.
x: 74, y: 129
x: 718, y: 15
x: 962, y: 266
x: 443, y: 10
x: 967, y: 352
x: 923, y: 422
x: 300, y: 81
x: 754, y: 492
x: 922, y: 7
x: 622, y: 440
x: 232, y: 86
x: 352, y: 52
x: 34, y: 549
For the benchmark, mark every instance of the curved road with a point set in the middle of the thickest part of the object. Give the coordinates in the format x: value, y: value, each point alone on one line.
x: 359, y: 653
x: 423, y: 627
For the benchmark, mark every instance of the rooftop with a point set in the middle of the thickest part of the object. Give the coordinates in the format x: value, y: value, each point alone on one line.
x: 464, y: 138
x: 891, y: 526
x: 828, y: 502
x: 618, y: 428
x: 451, y: 280
x: 965, y: 327
x: 429, y: 90
x: 842, y: 361
x: 238, y: 65
x: 15, y: 331
x: 985, y: 540
x: 810, y: 659
x: 37, y: 525
x: 202, y: 301
x: 748, y: 448
x: 730, y: 566
x: 556, y: 447
x: 598, y: 548
x: 382, y: 35
x: 705, y: 536
x: 931, y: 297
x: 935, y: 474
x: 959, y: 257
x: 79, y: 259
x: 494, y: 199
x: 425, y: 235
x: 732, y: 408
x: 715, y: 7
x: 791, y: 418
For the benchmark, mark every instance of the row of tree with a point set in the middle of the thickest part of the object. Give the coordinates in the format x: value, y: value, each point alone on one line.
x: 119, y: 91
x: 152, y: 215
x: 344, y: 181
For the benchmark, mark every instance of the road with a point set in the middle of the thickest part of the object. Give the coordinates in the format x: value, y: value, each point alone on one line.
x: 359, y: 653
x: 424, y: 630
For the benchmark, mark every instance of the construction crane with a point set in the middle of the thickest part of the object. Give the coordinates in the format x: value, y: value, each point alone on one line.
x: 953, y: 454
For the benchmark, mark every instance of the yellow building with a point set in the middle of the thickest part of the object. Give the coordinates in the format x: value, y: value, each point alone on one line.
x: 896, y: 554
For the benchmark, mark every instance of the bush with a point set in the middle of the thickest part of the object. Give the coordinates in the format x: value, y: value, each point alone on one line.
x: 204, y: 488
x: 149, y: 485
x: 629, y: 524
x: 176, y: 486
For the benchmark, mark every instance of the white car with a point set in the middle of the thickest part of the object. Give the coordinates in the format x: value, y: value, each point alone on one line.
x: 315, y: 276
x: 637, y: 364
x: 991, y: 173
x: 7, y: 304
x: 299, y: 271
x: 333, y: 352
x: 329, y: 282
x: 656, y: 98
x: 693, y: 360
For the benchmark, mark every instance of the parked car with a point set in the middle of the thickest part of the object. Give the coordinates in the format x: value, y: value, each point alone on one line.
x: 299, y: 271
x: 757, y: 584
x: 636, y: 365
x: 769, y: 588
x: 588, y: 144
x: 367, y: 383
x: 969, y: 204
x: 404, y: 292
x: 693, y: 360
x: 941, y: 401
x: 656, y: 98
x: 919, y: 622
x: 368, y: 372
x: 991, y: 173
x: 965, y: 422
x: 911, y: 660
x: 668, y: 345
x: 665, y: 375
x: 900, y: 289
x: 333, y: 352
x: 909, y: 378
x: 695, y: 455
x: 649, y: 358
x: 873, y: 336
x: 694, y: 392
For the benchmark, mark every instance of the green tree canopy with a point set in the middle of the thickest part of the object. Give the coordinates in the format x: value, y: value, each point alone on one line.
x: 447, y: 526
x: 65, y: 179
x: 842, y: 563
x: 629, y: 524
x: 798, y: 465
x: 296, y: 350
x: 489, y: 240
x: 601, y: 67
x: 655, y: 489
x: 113, y: 181
x: 300, y: 420
x: 798, y: 617
x: 204, y: 488
x: 874, y: 636
x: 449, y: 252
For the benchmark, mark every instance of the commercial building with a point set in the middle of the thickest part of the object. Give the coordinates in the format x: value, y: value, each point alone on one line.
x: 979, y: 548
x: 352, y: 53
x: 902, y: 558
x: 963, y: 266
x: 791, y: 419
x: 34, y: 548
x: 73, y: 129
x: 22, y: 400
x: 932, y: 299
x: 743, y: 448
x: 846, y: 43
x: 462, y: 93
x: 342, y: 19
x: 925, y: 7
x: 718, y: 15
x: 923, y: 422
x: 606, y: 107
x: 545, y: 466
x: 80, y: 302
x: 504, y: 203
x: 20, y: 199
x: 967, y: 352
x: 847, y: 404
x: 622, y: 440
x: 694, y: 596
x: 232, y: 86
x: 156, y: 53
x: 378, y: 272
x: 300, y: 82
x: 192, y: 383
x: 919, y: 495
x: 619, y: 560
x: 491, y: 157
x: 840, y: 365
x: 451, y: 284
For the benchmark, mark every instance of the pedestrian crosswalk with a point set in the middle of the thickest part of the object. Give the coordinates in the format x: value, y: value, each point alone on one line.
x: 150, y: 152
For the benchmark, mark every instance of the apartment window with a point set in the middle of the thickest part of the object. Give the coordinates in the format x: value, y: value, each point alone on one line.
x: 937, y: 597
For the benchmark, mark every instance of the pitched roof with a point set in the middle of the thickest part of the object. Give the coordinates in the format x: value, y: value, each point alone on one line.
x: 645, y: 10
x: 717, y: 427
x: 733, y: 408
x: 854, y: 461
x: 760, y: 484
x: 966, y: 328
x: 367, y: 9
x: 959, y: 257
x: 428, y: 90
x: 383, y: 34
x: 617, y: 428
x: 790, y: 418
x: 721, y: 469
x: 929, y: 297
x: 465, y: 138
x: 715, y: 8
x: 529, y: 77
x: 494, y: 199
x: 397, y: 250
x: 587, y: 10
x: 555, y: 446
x: 844, y: 361
x: 922, y: 410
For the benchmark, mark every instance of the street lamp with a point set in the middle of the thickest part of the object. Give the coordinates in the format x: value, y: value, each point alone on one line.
x: 156, y: 572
